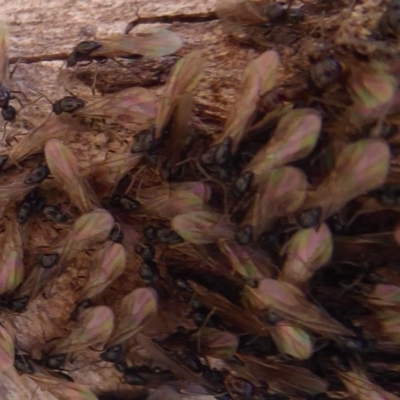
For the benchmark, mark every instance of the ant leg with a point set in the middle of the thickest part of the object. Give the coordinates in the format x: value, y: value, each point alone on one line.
x: 72, y: 94
x: 18, y: 100
x: 93, y: 87
x: 120, y: 63
x: 133, y: 180
x: 4, y: 137
x: 134, y: 23
x: 15, y: 67
x: 86, y: 64
x: 130, y: 26
x: 19, y: 92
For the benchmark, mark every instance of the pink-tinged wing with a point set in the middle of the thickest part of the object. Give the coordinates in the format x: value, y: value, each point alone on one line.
x: 283, y: 192
x: 183, y: 78
x: 11, y: 193
x: 239, y: 12
x: 292, y: 341
x: 248, y: 263
x: 93, y: 328
x: 294, y: 138
x: 7, y: 350
x: 72, y: 391
x: 14, y: 191
x: 265, y: 67
x: 90, y: 228
x: 307, y: 251
x: 291, y: 303
x: 259, y: 77
x: 135, y: 310
x: 12, y: 263
x: 62, y: 389
x: 4, y: 45
x: 179, y: 131
x: 110, y: 171
x: 149, y: 44
x: 198, y: 189
x: 286, y: 378
x: 180, y: 390
x: 239, y: 318
x: 202, y: 227
x: 362, y: 166
x: 361, y: 388
x: 389, y: 325
x: 168, y: 202
x: 34, y: 142
x: 364, y: 161
x: 161, y: 356
x: 37, y: 280
x: 133, y: 108
x: 65, y: 170
x: 384, y: 296
x: 216, y: 343
x: 373, y: 92
x: 108, y: 266
x: 396, y: 234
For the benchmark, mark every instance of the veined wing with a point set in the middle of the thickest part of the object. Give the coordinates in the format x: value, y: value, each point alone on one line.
x: 239, y: 12
x: 133, y: 108
x: 150, y: 44
x: 4, y: 45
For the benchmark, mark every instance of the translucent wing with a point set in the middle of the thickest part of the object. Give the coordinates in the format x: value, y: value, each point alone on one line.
x: 201, y: 227
x: 246, y: 322
x: 388, y: 325
x: 289, y: 339
x: 62, y: 389
x: 287, y: 300
x: 14, y: 191
x: 180, y: 390
x: 239, y: 12
x: 65, y: 170
x: 283, y: 192
x: 89, y: 229
x: 384, y: 295
x: 293, y: 139
x: 292, y: 340
x: 170, y: 201
x: 133, y: 108
x: 287, y: 378
x: 109, y: 264
x: 12, y: 265
x: 160, y: 355
x: 179, y: 131
x: 4, y: 45
x: 93, y: 327
x: 372, y: 90
x: 183, y: 78
x: 149, y: 44
x: 34, y: 142
x: 247, y: 262
x: 110, y: 171
x: 216, y: 343
x: 7, y: 350
x: 360, y: 387
x: 307, y: 251
x: 135, y: 310
x: 35, y: 283
x: 362, y: 166
x: 259, y: 77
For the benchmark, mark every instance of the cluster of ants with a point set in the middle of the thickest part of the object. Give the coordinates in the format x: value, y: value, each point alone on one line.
x: 264, y: 258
